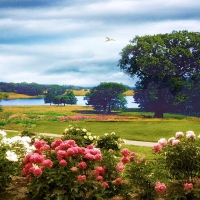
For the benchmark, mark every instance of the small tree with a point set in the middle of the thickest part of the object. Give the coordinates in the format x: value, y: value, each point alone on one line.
x: 49, y: 97
x: 106, y: 97
x: 68, y: 98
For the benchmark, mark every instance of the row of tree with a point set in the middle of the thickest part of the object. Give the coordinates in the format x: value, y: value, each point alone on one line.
x: 35, y: 89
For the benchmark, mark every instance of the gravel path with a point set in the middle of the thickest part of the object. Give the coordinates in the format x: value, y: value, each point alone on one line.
x: 129, y: 142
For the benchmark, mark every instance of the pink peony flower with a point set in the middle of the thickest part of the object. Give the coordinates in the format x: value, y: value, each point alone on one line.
x: 125, y: 160
x: 56, y: 143
x: 47, y: 163
x: 99, y: 178
x: 179, y: 134
x: 160, y: 188
x: 81, y: 178
x: 63, y: 162
x: 133, y: 155
x: 39, y: 143
x: 61, y: 154
x: 188, y: 186
x: 82, y: 165
x: 157, y: 148
x: 118, y: 181
x: 171, y: 139
x: 74, y: 169
x: 120, y: 167
x: 175, y: 142
x: 36, y: 158
x: 162, y: 142
x: 125, y: 152
x: 104, y: 184
x: 190, y: 135
x: 37, y: 171
x: 100, y: 170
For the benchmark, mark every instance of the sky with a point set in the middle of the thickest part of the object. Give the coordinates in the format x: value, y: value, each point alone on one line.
x: 64, y: 41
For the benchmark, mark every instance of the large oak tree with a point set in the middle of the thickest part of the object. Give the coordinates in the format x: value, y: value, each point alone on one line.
x: 167, y: 67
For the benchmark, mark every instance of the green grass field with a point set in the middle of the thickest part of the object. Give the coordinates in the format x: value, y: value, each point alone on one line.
x: 127, y: 123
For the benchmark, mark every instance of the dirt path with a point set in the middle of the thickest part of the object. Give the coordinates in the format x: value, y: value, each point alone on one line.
x: 129, y: 142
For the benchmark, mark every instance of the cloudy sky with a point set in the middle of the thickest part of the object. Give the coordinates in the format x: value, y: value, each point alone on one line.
x: 63, y: 41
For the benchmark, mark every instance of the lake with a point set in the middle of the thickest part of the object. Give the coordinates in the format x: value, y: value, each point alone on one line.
x: 37, y: 102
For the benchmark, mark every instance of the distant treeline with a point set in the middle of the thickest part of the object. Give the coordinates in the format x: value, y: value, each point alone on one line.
x: 35, y: 89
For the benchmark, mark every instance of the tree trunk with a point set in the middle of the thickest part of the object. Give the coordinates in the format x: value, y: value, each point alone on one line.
x: 158, y: 114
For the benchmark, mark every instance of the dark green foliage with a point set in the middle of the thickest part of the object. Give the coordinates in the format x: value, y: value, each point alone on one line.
x: 167, y: 66
x: 106, y: 97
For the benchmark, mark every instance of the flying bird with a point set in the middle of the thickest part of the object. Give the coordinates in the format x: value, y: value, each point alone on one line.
x: 109, y: 39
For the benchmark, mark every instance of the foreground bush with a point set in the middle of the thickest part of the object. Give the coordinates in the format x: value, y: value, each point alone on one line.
x: 181, y: 158
x: 12, y: 151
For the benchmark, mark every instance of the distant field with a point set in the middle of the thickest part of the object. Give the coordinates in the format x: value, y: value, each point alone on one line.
x: 76, y: 92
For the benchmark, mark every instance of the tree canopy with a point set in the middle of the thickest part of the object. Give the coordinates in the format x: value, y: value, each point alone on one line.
x: 67, y: 97
x: 106, y: 97
x: 167, y: 67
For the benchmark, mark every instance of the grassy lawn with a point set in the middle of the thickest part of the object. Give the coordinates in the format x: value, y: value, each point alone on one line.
x: 127, y: 123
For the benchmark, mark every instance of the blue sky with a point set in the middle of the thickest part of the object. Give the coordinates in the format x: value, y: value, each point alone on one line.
x: 63, y: 41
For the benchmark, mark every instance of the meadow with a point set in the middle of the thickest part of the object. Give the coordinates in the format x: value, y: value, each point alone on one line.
x: 127, y: 123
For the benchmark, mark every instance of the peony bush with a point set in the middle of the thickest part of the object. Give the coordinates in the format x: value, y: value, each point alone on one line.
x: 66, y: 170
x: 82, y: 166
x: 181, y: 160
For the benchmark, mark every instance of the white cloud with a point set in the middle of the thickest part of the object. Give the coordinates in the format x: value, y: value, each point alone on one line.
x: 65, y: 43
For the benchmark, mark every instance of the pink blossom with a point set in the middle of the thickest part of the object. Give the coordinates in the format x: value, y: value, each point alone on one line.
x: 118, y: 180
x: 125, y: 152
x: 39, y: 143
x: 175, y: 142
x: 120, y: 167
x: 104, y: 184
x: 99, y: 178
x: 47, y: 163
x: 162, y: 142
x: 74, y: 169
x: 98, y: 157
x: 36, y: 158
x: 133, y: 155
x: 100, y: 170
x: 82, y: 165
x: 63, y: 162
x: 188, y: 186
x: 157, y: 148
x: 89, y: 156
x: 70, y: 152
x: 125, y: 160
x: 170, y: 140
x: 179, y: 134
x: 37, y: 172
x: 56, y: 143
x: 160, y: 188
x: 90, y: 146
x: 61, y: 154
x: 81, y: 178
x: 190, y: 135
